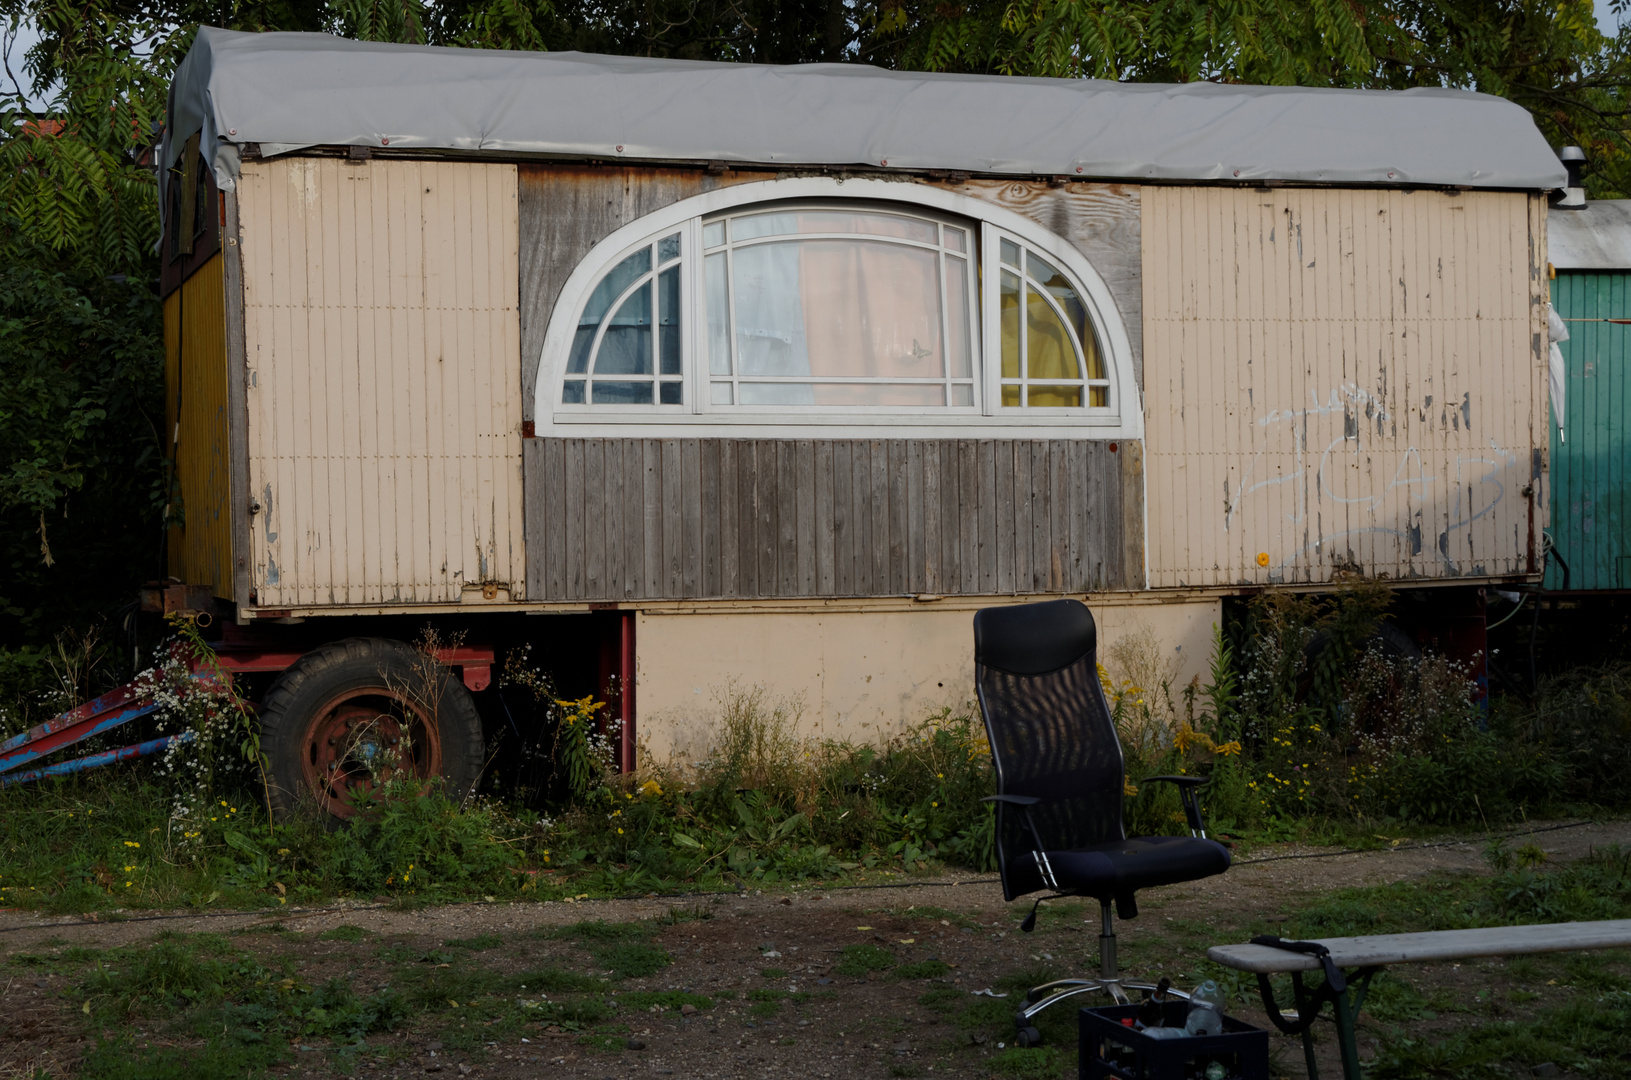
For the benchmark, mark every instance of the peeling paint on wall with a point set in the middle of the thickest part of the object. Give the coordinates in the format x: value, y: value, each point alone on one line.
x: 1300, y: 376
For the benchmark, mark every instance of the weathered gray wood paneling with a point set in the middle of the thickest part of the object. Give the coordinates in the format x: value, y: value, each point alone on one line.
x: 650, y: 519
x: 1102, y: 221
x: 565, y: 210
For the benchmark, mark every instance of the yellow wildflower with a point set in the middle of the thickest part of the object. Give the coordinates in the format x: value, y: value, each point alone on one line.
x: 1188, y: 737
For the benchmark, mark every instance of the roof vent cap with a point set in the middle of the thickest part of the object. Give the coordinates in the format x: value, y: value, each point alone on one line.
x: 1574, y: 160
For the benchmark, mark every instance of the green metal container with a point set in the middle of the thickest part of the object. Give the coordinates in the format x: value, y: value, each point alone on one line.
x: 1590, y: 477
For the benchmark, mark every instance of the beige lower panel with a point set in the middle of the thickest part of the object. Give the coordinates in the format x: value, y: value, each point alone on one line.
x: 861, y: 676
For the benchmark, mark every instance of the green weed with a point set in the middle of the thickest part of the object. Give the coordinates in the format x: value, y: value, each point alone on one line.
x: 225, y: 1060
x: 345, y: 932
x: 1585, y: 1035
x: 1034, y: 1063
x: 632, y: 959
x: 600, y: 930
x: 943, y: 1000
x: 1394, y: 998
x: 478, y: 943
x: 554, y: 980
x: 858, y: 960
x: 667, y: 1001
x: 925, y: 969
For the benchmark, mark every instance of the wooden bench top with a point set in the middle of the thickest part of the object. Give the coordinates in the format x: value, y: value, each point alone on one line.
x: 1381, y: 949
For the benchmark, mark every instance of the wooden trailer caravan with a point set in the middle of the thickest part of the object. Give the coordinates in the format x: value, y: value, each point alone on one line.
x: 1590, y: 526
x: 779, y: 373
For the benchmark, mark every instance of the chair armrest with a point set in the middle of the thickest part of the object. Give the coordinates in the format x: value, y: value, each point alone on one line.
x: 1025, y: 802
x: 1181, y: 781
x: 1187, y: 786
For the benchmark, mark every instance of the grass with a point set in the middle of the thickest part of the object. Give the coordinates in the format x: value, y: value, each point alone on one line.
x: 104, y: 841
x: 345, y: 932
x: 219, y: 1005
x: 667, y: 1001
x: 1595, y: 887
x: 924, y: 969
x: 859, y: 960
x: 479, y: 943
x: 1586, y: 1035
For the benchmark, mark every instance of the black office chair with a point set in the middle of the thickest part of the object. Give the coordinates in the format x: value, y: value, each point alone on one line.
x: 1060, y: 778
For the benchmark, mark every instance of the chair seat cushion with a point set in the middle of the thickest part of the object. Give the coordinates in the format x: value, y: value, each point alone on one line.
x: 1107, y: 871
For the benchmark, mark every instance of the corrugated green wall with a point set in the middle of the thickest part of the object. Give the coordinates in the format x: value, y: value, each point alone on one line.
x: 1591, y: 471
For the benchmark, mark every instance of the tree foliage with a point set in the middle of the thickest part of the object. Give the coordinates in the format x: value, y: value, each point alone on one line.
x: 80, y: 472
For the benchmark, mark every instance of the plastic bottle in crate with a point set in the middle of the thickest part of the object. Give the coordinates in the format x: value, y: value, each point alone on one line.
x: 1205, y: 1010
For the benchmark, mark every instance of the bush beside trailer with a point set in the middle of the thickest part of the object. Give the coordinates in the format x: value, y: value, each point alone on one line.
x: 776, y: 374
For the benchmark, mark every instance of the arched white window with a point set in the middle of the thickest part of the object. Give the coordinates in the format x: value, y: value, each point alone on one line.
x: 928, y: 312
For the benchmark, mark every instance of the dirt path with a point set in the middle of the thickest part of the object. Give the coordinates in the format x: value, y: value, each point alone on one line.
x: 1284, y: 872
x: 767, y: 962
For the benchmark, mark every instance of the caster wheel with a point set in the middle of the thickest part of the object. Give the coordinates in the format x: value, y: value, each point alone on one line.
x: 1028, y: 1036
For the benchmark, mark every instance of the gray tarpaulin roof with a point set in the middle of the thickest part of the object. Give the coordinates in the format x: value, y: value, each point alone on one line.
x: 1597, y: 236
x: 286, y: 91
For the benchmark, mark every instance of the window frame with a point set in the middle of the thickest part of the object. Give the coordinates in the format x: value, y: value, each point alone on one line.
x: 992, y: 268
x: 650, y: 278
x: 697, y: 417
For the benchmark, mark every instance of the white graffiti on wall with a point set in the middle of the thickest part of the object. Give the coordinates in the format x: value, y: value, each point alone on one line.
x: 1398, y: 503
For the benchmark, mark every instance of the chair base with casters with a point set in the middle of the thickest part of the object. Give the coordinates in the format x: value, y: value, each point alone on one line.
x: 1061, y: 777
x: 1109, y: 983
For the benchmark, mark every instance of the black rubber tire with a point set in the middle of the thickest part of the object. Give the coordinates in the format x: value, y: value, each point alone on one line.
x: 1392, y: 642
x: 356, y: 666
x: 1028, y: 1036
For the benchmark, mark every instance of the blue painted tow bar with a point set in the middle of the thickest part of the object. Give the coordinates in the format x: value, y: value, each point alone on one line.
x: 113, y: 709
x: 91, y: 761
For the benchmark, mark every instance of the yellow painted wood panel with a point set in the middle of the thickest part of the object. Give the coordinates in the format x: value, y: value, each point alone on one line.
x: 383, y: 346
x: 1341, y: 379
x: 195, y: 370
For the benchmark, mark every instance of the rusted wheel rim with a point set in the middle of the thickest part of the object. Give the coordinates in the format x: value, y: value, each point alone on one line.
x: 362, y: 739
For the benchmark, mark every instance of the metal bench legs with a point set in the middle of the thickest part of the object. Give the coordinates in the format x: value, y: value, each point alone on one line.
x: 1310, y: 1002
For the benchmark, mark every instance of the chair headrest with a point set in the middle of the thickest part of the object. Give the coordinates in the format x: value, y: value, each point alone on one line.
x: 1033, y: 639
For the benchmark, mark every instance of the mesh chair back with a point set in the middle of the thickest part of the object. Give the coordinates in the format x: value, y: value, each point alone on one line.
x: 1037, y: 679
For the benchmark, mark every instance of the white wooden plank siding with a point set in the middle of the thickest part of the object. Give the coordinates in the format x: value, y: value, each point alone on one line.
x: 383, y: 346
x: 1342, y: 379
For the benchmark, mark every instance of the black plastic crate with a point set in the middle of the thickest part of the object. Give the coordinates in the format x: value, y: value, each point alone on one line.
x: 1112, y: 1051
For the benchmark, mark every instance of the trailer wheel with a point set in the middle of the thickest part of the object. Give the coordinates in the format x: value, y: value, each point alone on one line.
x: 353, y: 714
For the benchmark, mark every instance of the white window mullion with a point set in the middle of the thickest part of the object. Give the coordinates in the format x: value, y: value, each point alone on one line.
x: 694, y: 300
x: 988, y: 293
x: 730, y: 321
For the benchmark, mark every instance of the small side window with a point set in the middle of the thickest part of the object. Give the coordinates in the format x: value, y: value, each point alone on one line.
x: 1050, y: 354
x: 627, y: 348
